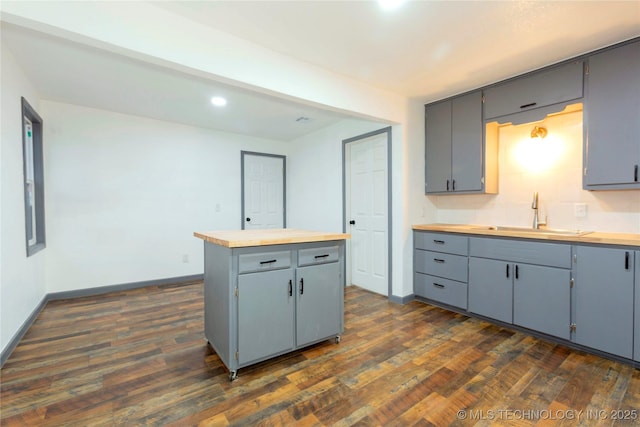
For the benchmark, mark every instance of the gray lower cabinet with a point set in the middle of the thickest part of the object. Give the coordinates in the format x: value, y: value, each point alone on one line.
x: 521, y: 282
x: 604, y: 299
x: 612, y: 119
x: 263, y: 301
x: 636, y: 327
x: 440, y: 268
x: 491, y: 288
x: 542, y: 299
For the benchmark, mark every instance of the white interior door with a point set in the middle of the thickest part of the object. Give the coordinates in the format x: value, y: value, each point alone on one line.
x: 367, y: 213
x: 263, y: 189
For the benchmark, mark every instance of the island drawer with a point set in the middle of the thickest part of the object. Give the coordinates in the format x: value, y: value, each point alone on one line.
x: 320, y: 255
x: 453, y: 267
x: 441, y: 242
x: 438, y: 289
x: 263, y: 261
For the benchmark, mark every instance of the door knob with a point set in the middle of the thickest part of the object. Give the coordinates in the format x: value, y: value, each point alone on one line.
x: 352, y: 222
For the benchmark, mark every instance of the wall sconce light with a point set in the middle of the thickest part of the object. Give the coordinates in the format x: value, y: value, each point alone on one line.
x: 539, y: 132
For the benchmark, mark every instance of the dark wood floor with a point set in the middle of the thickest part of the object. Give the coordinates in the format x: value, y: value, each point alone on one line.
x: 140, y: 357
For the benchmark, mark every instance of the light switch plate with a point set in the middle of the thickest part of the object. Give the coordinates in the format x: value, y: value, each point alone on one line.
x: 580, y: 210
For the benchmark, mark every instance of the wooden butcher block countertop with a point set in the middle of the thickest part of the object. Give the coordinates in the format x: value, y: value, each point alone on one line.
x: 624, y: 239
x: 280, y: 236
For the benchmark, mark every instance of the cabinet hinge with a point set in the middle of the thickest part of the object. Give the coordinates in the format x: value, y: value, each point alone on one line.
x: 483, y: 99
x: 575, y: 258
x: 236, y: 292
x: 571, y: 282
x: 572, y: 327
x: 482, y: 180
x: 237, y: 355
x: 586, y: 69
x: 585, y: 171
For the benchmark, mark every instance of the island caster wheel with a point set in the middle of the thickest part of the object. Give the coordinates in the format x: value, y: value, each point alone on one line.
x: 233, y: 375
x: 338, y: 339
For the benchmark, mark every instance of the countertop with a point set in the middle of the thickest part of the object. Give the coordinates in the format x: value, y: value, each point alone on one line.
x: 279, y: 236
x: 624, y: 239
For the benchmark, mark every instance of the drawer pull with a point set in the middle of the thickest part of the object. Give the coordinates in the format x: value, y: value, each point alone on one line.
x: 321, y: 256
x: 528, y: 105
x: 438, y: 285
x: 438, y: 242
x: 439, y: 261
x: 271, y: 261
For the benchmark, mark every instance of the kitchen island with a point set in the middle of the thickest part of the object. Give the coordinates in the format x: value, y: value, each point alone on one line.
x: 269, y: 292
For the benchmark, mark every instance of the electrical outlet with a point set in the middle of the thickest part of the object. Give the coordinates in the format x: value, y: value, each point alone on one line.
x: 580, y: 210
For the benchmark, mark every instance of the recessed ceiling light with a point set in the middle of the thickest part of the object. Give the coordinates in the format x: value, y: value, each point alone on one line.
x: 390, y: 4
x: 218, y: 101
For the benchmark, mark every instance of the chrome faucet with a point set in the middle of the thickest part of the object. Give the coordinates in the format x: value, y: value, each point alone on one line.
x: 536, y: 222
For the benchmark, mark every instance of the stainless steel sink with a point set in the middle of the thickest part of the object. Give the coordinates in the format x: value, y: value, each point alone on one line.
x: 547, y: 231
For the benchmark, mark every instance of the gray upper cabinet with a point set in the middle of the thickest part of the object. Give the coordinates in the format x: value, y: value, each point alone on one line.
x: 636, y: 327
x: 612, y: 119
x: 604, y: 299
x: 557, y: 85
x: 454, y: 149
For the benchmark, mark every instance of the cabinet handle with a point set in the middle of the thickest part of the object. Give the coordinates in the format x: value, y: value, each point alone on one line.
x: 321, y: 256
x: 528, y: 105
x: 438, y: 242
x: 507, y: 270
x: 439, y: 261
x: 635, y: 173
x: 517, y: 272
x: 301, y: 286
x: 290, y: 288
x: 626, y: 260
x: 447, y: 185
x: 438, y: 285
x: 271, y: 261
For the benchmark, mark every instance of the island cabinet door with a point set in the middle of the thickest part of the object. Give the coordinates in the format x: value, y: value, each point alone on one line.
x: 318, y: 311
x: 266, y: 304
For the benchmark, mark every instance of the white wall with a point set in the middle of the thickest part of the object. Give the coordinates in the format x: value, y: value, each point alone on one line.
x: 22, y: 280
x: 124, y: 195
x: 553, y: 168
x: 314, y: 169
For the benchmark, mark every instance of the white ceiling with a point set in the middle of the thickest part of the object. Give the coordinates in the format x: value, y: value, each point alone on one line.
x: 425, y: 49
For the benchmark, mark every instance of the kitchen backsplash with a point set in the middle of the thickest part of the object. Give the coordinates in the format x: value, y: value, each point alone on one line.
x: 553, y: 167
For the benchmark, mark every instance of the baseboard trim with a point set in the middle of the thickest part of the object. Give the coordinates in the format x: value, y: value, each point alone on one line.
x: 53, y: 296
x: 13, y: 342
x: 402, y: 300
